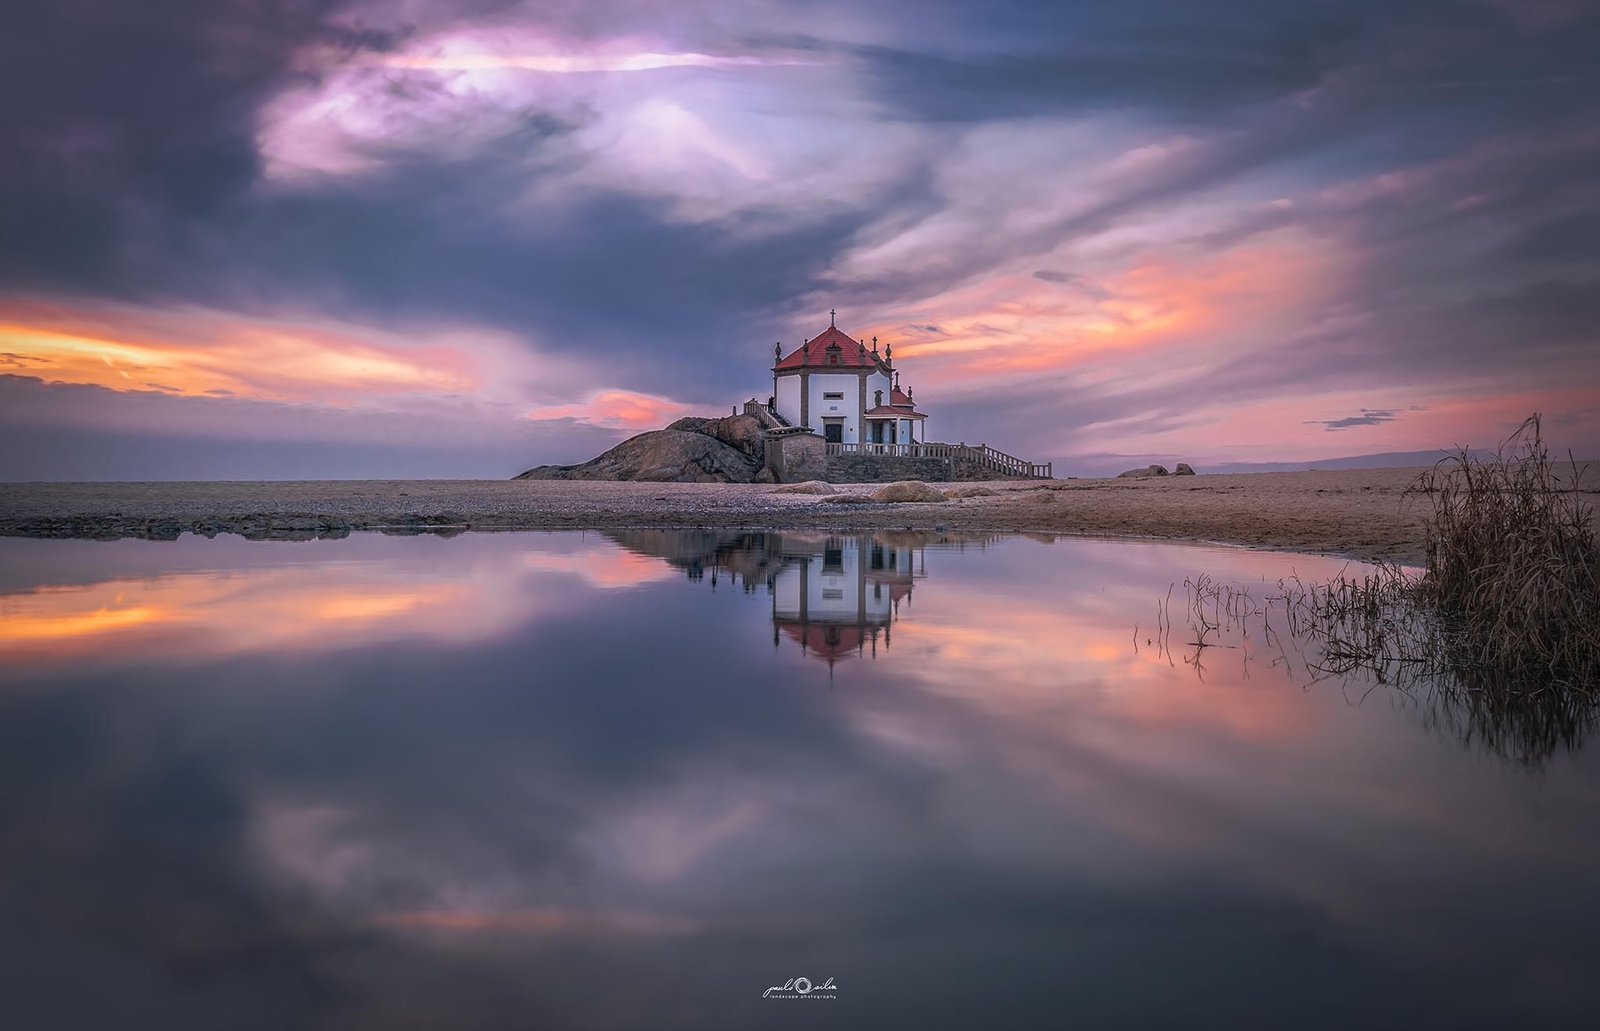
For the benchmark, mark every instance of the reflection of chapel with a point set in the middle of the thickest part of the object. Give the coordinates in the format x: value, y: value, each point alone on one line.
x: 848, y: 390
x: 836, y: 595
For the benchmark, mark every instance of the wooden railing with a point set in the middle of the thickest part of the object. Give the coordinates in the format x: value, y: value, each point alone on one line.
x: 983, y: 456
x: 986, y: 457
x: 894, y: 450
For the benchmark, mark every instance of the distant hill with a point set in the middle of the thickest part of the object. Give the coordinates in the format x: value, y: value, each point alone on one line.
x: 1382, y: 460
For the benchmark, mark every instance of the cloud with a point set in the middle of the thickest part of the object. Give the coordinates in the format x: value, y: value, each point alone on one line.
x: 640, y: 198
x: 617, y: 409
x: 1367, y: 417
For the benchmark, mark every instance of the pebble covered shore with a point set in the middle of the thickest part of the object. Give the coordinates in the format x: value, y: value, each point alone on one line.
x: 1363, y: 513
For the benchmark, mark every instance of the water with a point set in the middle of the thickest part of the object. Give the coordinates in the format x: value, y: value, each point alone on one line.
x: 563, y: 780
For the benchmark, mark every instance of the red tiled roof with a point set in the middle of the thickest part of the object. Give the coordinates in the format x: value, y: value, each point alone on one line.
x: 852, y: 355
x: 889, y: 411
x: 829, y: 641
x: 899, y: 397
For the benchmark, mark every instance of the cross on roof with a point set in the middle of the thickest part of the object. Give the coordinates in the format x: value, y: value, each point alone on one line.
x: 831, y: 314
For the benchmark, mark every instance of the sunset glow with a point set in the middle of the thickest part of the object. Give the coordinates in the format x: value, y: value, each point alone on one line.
x: 204, y: 354
x: 566, y: 225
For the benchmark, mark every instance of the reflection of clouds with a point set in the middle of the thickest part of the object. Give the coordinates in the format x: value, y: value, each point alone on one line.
x: 563, y: 922
x: 304, y: 606
x: 663, y: 840
x: 614, y: 802
x: 195, y: 614
x: 601, y: 566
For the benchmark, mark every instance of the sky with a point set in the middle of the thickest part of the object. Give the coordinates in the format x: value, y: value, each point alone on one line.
x: 387, y: 238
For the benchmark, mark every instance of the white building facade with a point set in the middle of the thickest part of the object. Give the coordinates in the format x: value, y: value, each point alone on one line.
x: 845, y: 391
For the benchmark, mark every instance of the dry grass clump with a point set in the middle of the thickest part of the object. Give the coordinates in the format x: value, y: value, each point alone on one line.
x: 1500, y: 634
x: 1513, y: 564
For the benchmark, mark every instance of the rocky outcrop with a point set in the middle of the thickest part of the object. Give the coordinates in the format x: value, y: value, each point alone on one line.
x: 808, y: 487
x: 743, y: 432
x: 1149, y: 470
x: 1183, y: 469
x: 662, y: 456
x: 691, y: 450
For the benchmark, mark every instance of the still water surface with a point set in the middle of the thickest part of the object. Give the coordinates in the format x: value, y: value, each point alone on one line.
x: 564, y: 780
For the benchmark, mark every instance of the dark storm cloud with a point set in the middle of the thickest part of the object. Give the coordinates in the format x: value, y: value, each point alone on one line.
x: 1179, y: 61
x: 612, y: 278
x: 123, y: 124
x: 130, y: 167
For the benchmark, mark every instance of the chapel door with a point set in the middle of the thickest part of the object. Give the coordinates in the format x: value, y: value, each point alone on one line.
x: 833, y: 432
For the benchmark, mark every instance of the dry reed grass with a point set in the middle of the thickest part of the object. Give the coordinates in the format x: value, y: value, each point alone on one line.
x: 1513, y: 562
x: 1500, y: 633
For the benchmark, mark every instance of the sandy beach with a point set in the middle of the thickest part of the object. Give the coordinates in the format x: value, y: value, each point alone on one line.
x: 1365, y: 513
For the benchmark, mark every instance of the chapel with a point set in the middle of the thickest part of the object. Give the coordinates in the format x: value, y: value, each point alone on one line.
x: 848, y: 391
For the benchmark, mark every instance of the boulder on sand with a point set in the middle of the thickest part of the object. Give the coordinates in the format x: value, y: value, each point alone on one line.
x: 661, y: 456
x: 808, y: 487
x: 907, y: 490
x: 1183, y: 469
x: 971, y: 492
x: 1149, y: 470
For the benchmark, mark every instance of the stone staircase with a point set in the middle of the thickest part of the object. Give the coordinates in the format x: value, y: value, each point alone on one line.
x: 986, y: 463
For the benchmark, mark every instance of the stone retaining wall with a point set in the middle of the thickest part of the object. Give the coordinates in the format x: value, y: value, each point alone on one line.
x: 796, y: 457
x: 884, y: 469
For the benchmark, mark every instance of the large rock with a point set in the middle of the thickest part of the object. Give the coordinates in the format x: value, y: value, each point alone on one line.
x: 1183, y: 469
x: 661, y: 456
x: 744, y: 432
x: 1149, y: 470
x: 808, y: 487
x: 908, y: 490
x: 741, y: 431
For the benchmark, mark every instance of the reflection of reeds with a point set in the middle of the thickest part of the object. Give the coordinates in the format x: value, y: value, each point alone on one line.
x: 1499, y: 637
x: 1379, y: 630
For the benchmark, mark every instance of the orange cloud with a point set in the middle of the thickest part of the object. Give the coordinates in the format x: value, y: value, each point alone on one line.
x: 202, y: 353
x: 1019, y: 323
x: 618, y: 409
